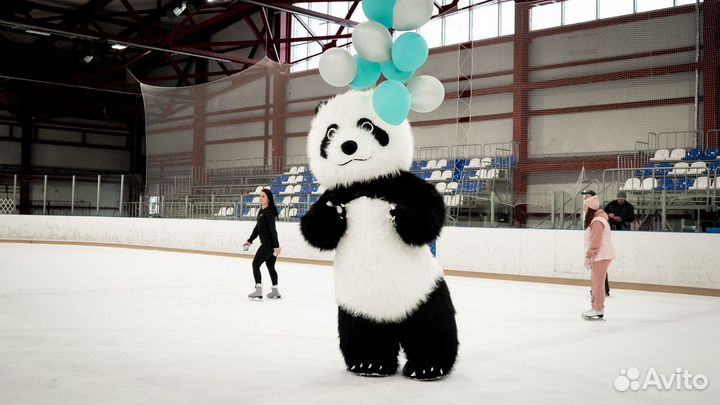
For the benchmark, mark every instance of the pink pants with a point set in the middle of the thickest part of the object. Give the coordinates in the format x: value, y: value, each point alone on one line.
x: 599, y: 270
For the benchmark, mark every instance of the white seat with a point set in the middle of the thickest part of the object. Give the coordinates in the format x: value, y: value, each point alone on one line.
x: 285, y: 201
x: 479, y: 174
x: 297, y: 189
x: 701, y: 183
x: 679, y: 169
x: 697, y: 168
x: 447, y: 175
x: 485, y: 163
x: 293, y: 212
x: 440, y: 187
x: 491, y: 174
x: 474, y: 164
x: 290, y: 180
x: 452, y: 200
x: 430, y: 165
x: 649, y: 184
x: 258, y: 189
x: 230, y: 211
x: 299, y: 179
x: 293, y: 170
x: 256, y: 200
x: 251, y: 212
x: 677, y: 154
x: 300, y: 169
x: 320, y: 190
x: 632, y: 184
x: 661, y: 155
x: 441, y: 164
x: 283, y: 213
x: 435, y: 176
x: 295, y: 200
x: 222, y: 212
x: 451, y: 187
x: 288, y: 189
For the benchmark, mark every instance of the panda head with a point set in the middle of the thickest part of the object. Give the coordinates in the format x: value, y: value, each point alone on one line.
x: 348, y: 143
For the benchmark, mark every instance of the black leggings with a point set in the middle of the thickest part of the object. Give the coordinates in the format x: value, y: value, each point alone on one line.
x: 264, y: 254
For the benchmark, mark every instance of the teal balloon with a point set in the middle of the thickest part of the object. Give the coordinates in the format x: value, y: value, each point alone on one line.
x: 380, y: 11
x: 391, y: 72
x: 367, y: 74
x: 391, y: 101
x: 410, y: 51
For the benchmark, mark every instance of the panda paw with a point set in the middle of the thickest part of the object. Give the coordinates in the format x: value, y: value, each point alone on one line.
x: 372, y: 369
x: 424, y: 373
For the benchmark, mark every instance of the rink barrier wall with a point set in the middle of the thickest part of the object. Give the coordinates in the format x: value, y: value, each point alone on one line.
x: 650, y: 261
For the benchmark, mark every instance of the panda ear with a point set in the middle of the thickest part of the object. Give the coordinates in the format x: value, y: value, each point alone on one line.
x: 319, y: 106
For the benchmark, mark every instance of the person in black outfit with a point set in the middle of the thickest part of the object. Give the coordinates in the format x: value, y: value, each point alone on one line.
x: 621, y: 213
x: 269, y: 245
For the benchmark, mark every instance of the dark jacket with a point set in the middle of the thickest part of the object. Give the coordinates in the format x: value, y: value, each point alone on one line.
x: 625, y: 211
x: 265, y: 227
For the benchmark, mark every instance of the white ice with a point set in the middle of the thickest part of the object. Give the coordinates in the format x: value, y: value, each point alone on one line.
x: 90, y: 325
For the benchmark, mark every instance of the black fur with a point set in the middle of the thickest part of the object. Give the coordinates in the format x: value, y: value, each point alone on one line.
x: 428, y: 336
x: 419, y: 213
x: 326, y: 141
x: 380, y: 135
x: 322, y: 226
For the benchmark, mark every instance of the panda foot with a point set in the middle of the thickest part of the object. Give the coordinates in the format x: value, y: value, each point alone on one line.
x: 424, y: 373
x: 372, y: 369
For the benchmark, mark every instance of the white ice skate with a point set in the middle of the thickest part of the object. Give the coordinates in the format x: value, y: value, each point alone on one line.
x: 274, y: 294
x: 257, y: 293
x: 593, y: 315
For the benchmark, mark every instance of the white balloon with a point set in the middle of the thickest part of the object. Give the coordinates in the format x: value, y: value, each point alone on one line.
x: 337, y: 67
x: 372, y: 41
x: 411, y: 14
x: 426, y: 93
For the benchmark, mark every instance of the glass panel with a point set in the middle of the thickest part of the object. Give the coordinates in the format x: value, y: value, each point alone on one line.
x: 683, y: 2
x: 647, y: 5
x: 612, y: 8
x: 507, y: 18
x: 457, y: 28
x: 580, y: 10
x: 485, y: 21
x: 545, y: 16
x: 432, y: 32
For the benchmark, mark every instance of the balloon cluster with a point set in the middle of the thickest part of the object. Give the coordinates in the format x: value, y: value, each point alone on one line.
x: 397, y: 62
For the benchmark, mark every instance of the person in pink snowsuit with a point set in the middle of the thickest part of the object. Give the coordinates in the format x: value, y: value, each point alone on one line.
x: 599, y: 253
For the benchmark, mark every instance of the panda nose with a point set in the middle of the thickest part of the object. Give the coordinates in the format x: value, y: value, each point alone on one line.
x: 349, y: 147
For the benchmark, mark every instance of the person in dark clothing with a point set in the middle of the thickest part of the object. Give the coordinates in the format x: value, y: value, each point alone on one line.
x: 621, y: 213
x: 269, y: 245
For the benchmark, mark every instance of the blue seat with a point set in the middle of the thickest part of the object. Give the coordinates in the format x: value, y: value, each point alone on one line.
x: 694, y: 154
x: 713, y: 167
x: 665, y: 183
x: 683, y: 183
x: 313, y: 199
x: 425, y: 175
x: 711, y: 154
x: 505, y: 162
x: 247, y: 199
x: 277, y: 180
x: 470, y: 187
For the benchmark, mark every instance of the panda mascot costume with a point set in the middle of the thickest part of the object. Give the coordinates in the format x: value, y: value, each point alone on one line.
x: 379, y: 218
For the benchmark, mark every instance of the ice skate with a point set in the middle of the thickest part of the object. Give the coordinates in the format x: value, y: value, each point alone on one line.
x: 257, y: 293
x: 274, y: 294
x: 593, y: 315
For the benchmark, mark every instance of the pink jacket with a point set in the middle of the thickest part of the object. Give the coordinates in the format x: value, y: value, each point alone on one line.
x: 598, y: 239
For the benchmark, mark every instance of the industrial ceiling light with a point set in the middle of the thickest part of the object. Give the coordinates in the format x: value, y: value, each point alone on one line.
x: 118, y: 47
x: 45, y: 34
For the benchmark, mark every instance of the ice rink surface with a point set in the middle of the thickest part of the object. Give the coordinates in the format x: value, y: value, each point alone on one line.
x: 91, y: 325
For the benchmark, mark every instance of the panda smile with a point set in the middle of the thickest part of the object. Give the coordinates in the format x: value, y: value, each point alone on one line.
x: 352, y: 160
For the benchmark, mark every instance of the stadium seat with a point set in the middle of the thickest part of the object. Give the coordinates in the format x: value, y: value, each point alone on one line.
x: 288, y: 190
x: 474, y: 164
x: 440, y: 187
x: 486, y: 163
x: 441, y: 164
x: 677, y: 154
x: 256, y: 200
x: 299, y: 179
x: 258, y: 189
x: 435, y: 176
x: 230, y: 211
x: 683, y: 183
x: 447, y: 175
x: 694, y: 154
x: 649, y: 184
x: 660, y: 155
x: 697, y: 168
x: 301, y: 169
x: 701, y: 183
x: 430, y: 165
x: 492, y: 174
x: 285, y: 201
x: 451, y: 187
x: 679, y: 169
x: 297, y: 189
x: 632, y: 184
x: 665, y: 183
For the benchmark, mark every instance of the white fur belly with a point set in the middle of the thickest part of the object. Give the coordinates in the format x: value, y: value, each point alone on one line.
x: 376, y: 273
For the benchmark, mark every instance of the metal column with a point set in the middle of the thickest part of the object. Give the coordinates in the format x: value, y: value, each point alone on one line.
x: 72, y: 196
x: 122, y: 185
x: 45, y: 194
x: 15, y: 204
x: 97, y: 206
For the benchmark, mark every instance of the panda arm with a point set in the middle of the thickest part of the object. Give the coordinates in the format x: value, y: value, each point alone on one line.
x: 419, y: 212
x: 323, y: 226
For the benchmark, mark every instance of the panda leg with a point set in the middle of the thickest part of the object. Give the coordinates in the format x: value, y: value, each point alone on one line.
x: 429, y: 337
x: 370, y: 348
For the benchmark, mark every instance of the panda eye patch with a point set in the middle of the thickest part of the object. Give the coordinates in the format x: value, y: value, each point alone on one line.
x: 380, y: 135
x: 329, y: 134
